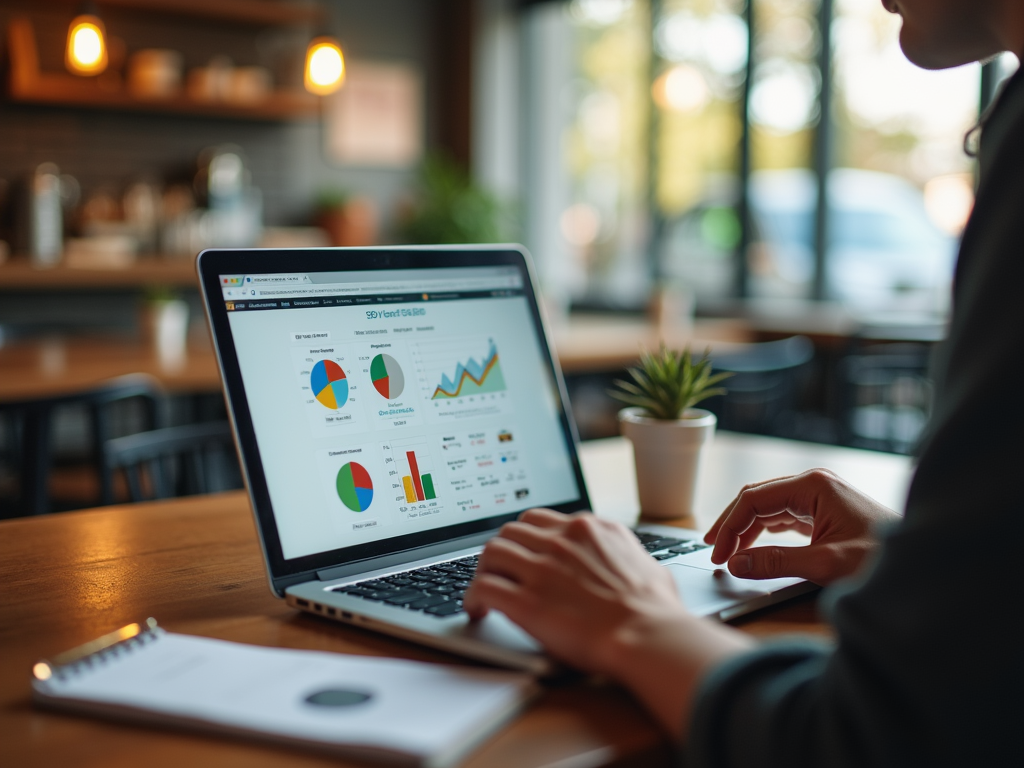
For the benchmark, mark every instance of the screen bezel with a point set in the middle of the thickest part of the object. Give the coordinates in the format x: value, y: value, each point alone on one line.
x: 213, y: 263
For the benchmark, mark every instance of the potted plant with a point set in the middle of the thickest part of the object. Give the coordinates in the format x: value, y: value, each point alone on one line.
x: 667, y: 432
x: 164, y: 323
x: 449, y: 207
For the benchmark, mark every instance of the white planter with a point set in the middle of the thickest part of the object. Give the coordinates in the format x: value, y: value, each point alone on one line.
x: 667, y: 457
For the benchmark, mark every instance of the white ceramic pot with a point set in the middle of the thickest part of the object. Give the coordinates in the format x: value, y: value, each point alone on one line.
x: 667, y: 455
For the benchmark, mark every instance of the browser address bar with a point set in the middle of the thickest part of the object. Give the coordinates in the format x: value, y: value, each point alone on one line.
x: 387, y: 287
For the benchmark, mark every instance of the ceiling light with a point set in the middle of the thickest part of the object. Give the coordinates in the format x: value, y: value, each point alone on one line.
x: 325, y: 66
x: 87, y: 46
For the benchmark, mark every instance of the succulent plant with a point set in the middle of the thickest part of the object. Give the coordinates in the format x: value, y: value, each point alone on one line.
x: 666, y: 383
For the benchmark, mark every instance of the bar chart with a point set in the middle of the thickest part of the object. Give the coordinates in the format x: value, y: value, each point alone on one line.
x: 416, y: 486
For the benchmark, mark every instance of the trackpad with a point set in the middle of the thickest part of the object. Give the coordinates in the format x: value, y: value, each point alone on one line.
x: 706, y: 592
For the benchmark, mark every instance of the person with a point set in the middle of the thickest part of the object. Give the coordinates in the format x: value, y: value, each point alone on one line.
x: 926, y: 667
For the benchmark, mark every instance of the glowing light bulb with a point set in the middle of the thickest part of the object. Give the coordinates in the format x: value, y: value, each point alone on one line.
x: 325, y: 66
x: 87, y: 47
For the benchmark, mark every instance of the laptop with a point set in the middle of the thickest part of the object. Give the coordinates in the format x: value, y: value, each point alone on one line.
x: 393, y: 408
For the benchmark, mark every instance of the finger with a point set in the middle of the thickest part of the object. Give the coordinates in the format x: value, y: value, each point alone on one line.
x: 509, y: 559
x: 540, y: 540
x: 489, y: 591
x: 811, y: 563
x: 601, y: 548
x: 796, y: 494
x: 712, y: 534
x: 750, y: 536
x: 544, y: 518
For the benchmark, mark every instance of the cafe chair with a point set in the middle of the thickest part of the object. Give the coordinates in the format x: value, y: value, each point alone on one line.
x: 886, y: 396
x: 31, y: 425
x: 176, y: 461
x: 763, y: 392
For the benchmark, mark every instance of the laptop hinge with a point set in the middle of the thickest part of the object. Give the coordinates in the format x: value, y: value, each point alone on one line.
x: 405, y: 556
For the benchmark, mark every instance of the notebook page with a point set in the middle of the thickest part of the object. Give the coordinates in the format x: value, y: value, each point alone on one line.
x: 420, y: 709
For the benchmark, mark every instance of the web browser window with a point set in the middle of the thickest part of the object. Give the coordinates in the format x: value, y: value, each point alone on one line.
x: 392, y: 402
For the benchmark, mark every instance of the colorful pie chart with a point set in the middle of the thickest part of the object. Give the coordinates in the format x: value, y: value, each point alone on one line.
x: 387, y: 377
x: 355, y: 489
x: 329, y: 384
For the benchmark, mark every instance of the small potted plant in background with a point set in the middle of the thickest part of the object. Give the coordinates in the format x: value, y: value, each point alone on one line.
x: 164, y: 324
x: 667, y: 432
x: 349, y: 220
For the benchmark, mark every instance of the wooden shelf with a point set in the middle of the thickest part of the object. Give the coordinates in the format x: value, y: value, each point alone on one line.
x: 29, y: 85
x: 261, y: 12
x: 18, y: 274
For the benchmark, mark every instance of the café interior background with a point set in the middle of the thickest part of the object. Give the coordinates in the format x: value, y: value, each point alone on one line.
x: 668, y: 159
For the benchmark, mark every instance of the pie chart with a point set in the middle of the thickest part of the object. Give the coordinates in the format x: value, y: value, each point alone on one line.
x: 387, y: 377
x: 355, y: 489
x: 328, y: 382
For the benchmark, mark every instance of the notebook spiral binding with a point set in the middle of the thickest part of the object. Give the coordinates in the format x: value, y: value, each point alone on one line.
x: 102, y: 648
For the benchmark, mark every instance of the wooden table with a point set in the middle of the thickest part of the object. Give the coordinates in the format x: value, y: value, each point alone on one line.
x: 54, y: 366
x: 195, y: 565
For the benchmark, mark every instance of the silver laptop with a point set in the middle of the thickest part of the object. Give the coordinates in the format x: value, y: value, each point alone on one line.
x: 393, y: 408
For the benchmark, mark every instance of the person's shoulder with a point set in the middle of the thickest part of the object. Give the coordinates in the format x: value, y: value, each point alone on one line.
x: 1003, y: 122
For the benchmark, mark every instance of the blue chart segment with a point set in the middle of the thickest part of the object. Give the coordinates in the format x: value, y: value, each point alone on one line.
x: 329, y: 384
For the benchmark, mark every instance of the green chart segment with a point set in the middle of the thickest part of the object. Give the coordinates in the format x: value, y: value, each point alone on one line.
x: 355, y: 488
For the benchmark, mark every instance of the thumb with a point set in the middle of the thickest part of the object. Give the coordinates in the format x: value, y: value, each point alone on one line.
x: 777, y: 562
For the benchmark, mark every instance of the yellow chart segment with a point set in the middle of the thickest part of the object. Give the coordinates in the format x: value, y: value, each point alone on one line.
x: 410, y: 491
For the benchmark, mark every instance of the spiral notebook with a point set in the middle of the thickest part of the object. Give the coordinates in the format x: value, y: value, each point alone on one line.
x: 384, y: 710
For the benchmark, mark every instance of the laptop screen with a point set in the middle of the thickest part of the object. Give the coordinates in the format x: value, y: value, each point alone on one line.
x: 393, y: 402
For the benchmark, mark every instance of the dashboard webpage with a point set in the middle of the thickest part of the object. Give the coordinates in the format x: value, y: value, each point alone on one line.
x: 391, y: 402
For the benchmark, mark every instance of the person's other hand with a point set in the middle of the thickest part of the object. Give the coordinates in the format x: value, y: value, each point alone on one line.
x: 841, y: 521
x: 574, y: 582
x: 596, y: 600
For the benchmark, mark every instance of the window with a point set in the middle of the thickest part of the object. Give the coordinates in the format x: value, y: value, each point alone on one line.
x: 656, y: 142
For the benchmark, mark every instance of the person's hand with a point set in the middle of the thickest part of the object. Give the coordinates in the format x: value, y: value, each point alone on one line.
x: 842, y: 522
x: 571, y: 581
x: 596, y: 600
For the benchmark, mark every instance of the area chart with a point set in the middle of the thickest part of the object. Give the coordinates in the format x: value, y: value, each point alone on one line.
x: 355, y: 488
x: 472, y: 378
x: 387, y: 377
x: 329, y: 384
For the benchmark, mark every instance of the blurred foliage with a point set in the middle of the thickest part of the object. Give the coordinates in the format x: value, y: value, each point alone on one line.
x: 332, y: 199
x: 450, y: 208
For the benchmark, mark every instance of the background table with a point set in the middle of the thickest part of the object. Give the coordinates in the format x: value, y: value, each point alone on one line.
x: 195, y: 565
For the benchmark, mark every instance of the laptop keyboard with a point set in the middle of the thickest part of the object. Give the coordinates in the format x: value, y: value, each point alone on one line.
x: 437, y: 590
x: 663, y: 547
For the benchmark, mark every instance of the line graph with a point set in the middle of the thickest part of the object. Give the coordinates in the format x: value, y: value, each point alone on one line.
x: 472, y: 377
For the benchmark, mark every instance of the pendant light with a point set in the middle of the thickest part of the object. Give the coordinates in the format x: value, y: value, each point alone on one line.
x: 86, y: 52
x: 325, y: 66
